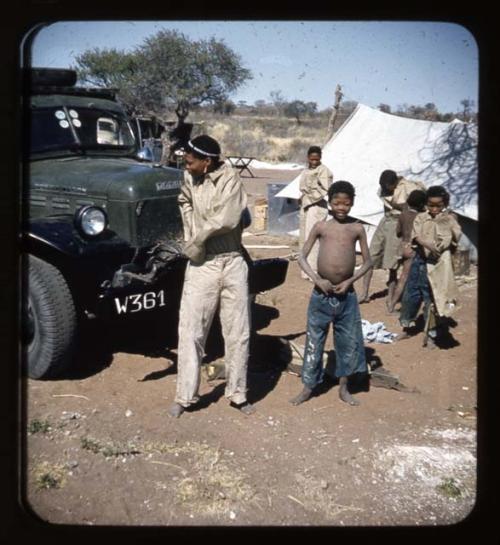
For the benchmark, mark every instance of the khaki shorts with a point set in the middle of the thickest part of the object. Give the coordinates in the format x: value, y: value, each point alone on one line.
x: 385, y: 244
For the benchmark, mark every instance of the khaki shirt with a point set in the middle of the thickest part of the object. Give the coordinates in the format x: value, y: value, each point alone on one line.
x: 211, y: 208
x: 314, y: 184
x: 401, y: 194
x: 444, y: 232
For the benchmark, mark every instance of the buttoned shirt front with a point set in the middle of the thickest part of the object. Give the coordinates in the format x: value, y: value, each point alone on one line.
x: 211, y: 208
x: 314, y: 184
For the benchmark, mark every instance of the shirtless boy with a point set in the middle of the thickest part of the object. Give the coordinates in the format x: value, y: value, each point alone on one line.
x: 333, y: 299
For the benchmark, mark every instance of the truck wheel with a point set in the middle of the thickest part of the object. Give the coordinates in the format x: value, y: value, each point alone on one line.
x: 49, y: 321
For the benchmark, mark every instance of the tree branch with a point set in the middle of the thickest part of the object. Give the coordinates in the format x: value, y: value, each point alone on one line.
x: 333, y: 117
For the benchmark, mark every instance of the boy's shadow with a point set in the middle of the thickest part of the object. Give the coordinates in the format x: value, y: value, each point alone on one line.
x: 268, y: 356
x: 356, y: 383
x: 379, y: 294
x: 445, y: 340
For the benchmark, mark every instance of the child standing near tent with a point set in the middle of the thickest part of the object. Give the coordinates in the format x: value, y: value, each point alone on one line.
x: 314, y: 183
x: 333, y: 299
x: 415, y: 204
x: 384, y: 246
x: 431, y: 279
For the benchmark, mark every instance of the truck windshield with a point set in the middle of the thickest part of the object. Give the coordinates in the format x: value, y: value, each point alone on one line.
x: 59, y: 128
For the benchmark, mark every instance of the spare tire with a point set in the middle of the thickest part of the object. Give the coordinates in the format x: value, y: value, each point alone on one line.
x: 49, y: 321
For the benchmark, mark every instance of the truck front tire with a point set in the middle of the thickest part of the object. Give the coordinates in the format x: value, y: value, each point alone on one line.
x: 49, y: 321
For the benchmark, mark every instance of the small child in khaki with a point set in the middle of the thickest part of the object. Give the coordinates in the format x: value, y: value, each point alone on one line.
x: 431, y: 279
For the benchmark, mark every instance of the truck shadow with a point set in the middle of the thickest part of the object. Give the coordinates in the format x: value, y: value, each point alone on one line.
x: 158, y: 338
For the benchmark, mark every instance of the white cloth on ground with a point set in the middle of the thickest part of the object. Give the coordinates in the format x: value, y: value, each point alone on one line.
x: 376, y: 332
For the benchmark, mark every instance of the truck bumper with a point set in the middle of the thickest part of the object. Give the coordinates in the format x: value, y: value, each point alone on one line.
x: 139, y: 299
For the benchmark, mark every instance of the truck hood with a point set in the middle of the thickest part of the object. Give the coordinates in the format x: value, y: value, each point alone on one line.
x: 117, y: 179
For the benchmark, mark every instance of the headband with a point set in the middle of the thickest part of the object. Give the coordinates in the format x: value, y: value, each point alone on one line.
x: 190, y: 144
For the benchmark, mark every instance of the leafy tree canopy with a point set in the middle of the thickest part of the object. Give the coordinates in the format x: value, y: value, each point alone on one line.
x: 167, y: 71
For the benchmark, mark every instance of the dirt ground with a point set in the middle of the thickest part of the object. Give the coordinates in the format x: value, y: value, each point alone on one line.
x: 101, y: 450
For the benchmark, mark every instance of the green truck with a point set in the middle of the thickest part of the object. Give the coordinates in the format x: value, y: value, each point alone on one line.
x: 101, y: 227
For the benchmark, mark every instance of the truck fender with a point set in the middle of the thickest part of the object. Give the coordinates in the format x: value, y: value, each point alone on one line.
x: 55, y: 235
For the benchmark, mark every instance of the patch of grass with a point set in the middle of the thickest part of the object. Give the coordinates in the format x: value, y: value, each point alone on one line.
x: 49, y: 476
x: 108, y: 449
x: 268, y: 138
x: 38, y: 426
x: 214, y: 487
x: 315, y: 496
x: 210, y: 484
x: 449, y: 488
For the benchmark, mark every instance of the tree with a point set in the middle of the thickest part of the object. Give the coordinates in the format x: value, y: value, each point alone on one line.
x: 111, y: 68
x: 296, y: 108
x: 226, y: 107
x: 278, y: 101
x: 384, y: 108
x: 167, y: 71
x: 311, y: 108
x: 335, y: 111
x: 467, y: 106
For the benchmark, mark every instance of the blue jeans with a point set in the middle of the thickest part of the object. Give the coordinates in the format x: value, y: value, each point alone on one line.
x: 417, y: 291
x: 343, y: 312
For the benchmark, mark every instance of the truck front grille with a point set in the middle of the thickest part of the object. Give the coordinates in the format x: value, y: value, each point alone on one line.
x: 157, y: 219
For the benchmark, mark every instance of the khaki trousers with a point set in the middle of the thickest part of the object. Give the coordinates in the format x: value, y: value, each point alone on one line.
x: 221, y: 281
x: 308, y: 217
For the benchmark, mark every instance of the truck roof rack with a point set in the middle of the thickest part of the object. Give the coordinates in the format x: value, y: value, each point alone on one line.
x: 64, y: 77
x: 77, y: 91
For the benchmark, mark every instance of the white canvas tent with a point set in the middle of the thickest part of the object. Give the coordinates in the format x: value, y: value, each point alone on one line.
x: 435, y: 153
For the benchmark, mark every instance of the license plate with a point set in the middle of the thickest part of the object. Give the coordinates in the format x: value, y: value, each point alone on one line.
x: 138, y: 302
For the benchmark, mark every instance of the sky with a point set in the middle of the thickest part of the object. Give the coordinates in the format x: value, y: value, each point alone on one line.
x: 396, y: 63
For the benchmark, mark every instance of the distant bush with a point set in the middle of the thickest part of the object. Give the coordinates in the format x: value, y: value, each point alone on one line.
x: 268, y: 138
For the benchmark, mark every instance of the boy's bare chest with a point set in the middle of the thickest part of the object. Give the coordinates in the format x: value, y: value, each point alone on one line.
x: 339, y: 233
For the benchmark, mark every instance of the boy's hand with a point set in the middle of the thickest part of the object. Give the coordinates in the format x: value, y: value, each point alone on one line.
x: 193, y: 251
x: 342, y: 287
x: 407, y: 251
x: 433, y: 250
x: 325, y: 285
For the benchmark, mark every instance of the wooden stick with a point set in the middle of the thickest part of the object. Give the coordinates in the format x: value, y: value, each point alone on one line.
x: 70, y: 395
x: 295, y: 499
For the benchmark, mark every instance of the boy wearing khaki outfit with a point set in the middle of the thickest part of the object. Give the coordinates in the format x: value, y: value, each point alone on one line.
x: 314, y: 183
x: 212, y: 201
x: 431, y: 279
x: 384, y: 246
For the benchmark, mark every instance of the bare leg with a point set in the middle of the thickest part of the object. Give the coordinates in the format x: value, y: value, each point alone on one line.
x: 398, y: 291
x: 175, y: 410
x: 366, y: 287
x: 303, y: 396
x: 391, y: 286
x: 344, y: 394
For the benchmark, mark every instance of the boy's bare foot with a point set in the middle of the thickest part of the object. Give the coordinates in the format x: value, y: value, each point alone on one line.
x: 175, y: 410
x: 365, y: 298
x: 403, y: 336
x: 303, y: 396
x: 390, y: 309
x: 245, y: 407
x: 345, y: 395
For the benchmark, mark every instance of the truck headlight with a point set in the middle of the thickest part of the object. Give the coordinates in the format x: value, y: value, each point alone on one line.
x: 91, y: 220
